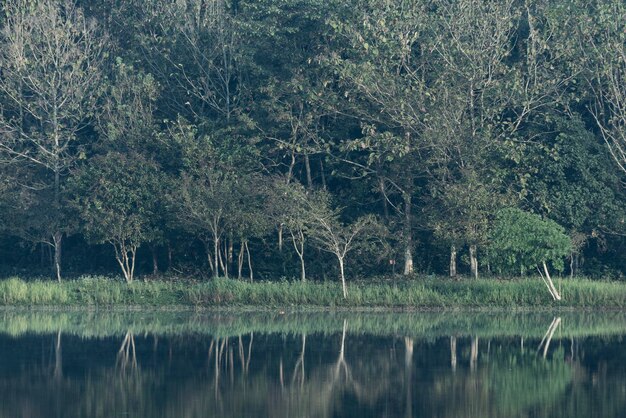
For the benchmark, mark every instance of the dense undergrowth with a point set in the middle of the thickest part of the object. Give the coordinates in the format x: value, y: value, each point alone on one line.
x: 417, y: 293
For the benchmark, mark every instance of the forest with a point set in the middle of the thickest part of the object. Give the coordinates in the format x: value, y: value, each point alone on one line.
x: 312, y: 139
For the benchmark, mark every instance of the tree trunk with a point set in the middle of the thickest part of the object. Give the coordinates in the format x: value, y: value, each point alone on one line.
x: 473, y: 261
x: 231, y: 251
x: 307, y: 166
x: 222, y: 261
x: 408, y: 235
x: 298, y: 245
x: 209, y: 256
x: 383, y: 195
x: 343, y: 278
x: 322, y: 174
x: 58, y: 251
x: 249, y: 262
x: 155, y: 261
x: 240, y: 261
x: 452, y: 261
x: 216, y: 249
x: 302, y: 269
x: 169, y: 256
x: 551, y: 288
x: 126, y: 257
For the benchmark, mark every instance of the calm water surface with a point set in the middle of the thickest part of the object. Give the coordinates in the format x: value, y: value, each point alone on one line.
x: 184, y: 364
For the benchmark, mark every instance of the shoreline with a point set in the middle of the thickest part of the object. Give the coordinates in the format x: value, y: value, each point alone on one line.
x: 419, y: 294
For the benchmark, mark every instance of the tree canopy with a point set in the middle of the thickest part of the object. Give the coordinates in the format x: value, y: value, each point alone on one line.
x: 205, y: 135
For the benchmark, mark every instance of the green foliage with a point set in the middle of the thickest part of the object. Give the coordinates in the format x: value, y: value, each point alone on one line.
x: 520, y: 241
x: 369, y: 129
x: 116, y: 196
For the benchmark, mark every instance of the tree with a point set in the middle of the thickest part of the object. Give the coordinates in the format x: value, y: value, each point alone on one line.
x: 461, y: 211
x: 522, y: 240
x: 51, y: 58
x: 603, y: 40
x: 117, y: 198
x: 384, y: 69
x: 288, y: 210
x: 217, y: 191
x: 127, y: 123
x: 335, y: 237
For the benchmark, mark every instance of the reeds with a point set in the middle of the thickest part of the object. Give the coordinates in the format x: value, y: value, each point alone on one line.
x: 416, y: 293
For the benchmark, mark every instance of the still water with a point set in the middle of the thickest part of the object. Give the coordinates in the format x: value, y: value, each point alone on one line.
x: 242, y: 364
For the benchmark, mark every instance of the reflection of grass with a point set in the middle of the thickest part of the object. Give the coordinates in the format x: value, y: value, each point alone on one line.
x: 416, y: 293
x: 224, y: 324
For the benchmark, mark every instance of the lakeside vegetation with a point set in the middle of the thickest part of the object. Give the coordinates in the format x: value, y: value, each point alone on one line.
x: 314, y: 138
x: 418, y: 293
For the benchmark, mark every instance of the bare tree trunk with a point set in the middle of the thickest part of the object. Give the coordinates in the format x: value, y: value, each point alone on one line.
x: 57, y: 239
x: 473, y: 261
x: 383, y: 194
x: 240, y: 260
x: 452, y: 261
x: 408, y: 235
x: 307, y: 166
x: 126, y: 256
x: 231, y: 251
x: 343, y: 278
x: 222, y: 263
x: 249, y: 262
x: 216, y: 249
x: 298, y: 244
x: 302, y: 269
x: 553, y: 291
x: 209, y: 256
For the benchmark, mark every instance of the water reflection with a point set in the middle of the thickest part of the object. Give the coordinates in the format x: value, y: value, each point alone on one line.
x: 337, y: 365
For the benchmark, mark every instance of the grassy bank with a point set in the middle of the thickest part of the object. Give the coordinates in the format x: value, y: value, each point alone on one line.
x: 418, y: 293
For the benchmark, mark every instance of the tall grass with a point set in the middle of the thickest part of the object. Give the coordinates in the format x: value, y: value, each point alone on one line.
x: 417, y: 293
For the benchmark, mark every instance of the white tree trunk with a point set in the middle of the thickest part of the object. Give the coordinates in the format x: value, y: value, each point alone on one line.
x: 473, y: 261
x: 408, y: 236
x: 452, y: 261
x: 58, y: 251
x: 551, y: 288
x: 343, y: 278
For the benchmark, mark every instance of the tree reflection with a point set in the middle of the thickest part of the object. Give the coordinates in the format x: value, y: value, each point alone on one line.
x: 313, y: 375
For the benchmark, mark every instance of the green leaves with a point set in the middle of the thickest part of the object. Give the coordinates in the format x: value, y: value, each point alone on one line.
x: 520, y: 241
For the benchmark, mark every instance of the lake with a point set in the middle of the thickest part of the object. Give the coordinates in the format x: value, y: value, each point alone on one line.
x: 325, y: 364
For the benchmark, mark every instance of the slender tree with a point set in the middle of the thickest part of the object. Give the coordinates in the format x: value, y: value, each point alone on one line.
x: 51, y: 58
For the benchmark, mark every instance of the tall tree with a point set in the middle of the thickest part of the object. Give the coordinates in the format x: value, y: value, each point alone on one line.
x: 51, y: 58
x: 604, y: 41
x: 117, y: 198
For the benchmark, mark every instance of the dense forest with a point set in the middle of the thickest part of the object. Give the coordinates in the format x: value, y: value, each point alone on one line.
x: 269, y: 139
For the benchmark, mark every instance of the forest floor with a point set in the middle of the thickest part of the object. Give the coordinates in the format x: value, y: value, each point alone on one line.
x: 418, y: 293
